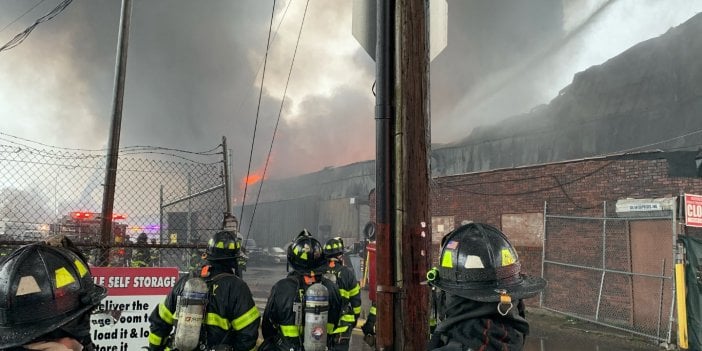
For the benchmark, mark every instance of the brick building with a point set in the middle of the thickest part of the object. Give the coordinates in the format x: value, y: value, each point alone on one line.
x: 601, y: 264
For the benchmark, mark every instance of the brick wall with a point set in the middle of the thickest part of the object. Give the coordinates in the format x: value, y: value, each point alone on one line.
x: 576, y: 188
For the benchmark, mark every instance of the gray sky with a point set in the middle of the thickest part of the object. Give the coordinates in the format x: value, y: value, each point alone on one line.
x: 194, y: 71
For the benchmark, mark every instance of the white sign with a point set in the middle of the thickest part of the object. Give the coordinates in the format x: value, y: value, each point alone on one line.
x: 121, y: 321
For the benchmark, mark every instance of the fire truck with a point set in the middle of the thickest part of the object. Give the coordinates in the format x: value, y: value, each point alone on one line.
x: 83, y: 228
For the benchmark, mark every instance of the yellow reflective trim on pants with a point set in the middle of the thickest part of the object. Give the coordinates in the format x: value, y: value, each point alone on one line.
x: 290, y: 331
x: 217, y: 321
x: 245, y: 319
x: 338, y: 330
x: 357, y: 310
x: 344, y: 293
x: 372, y: 310
x: 165, y: 314
x: 348, y: 318
x: 355, y: 291
x: 155, y: 339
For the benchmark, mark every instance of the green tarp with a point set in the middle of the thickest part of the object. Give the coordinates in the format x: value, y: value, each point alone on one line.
x: 693, y: 280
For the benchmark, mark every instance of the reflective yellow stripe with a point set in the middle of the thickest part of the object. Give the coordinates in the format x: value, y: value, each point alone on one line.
x: 63, y: 277
x: 245, y: 319
x: 372, y: 310
x: 217, y: 321
x: 331, y: 330
x: 340, y: 330
x: 355, y: 291
x: 155, y: 339
x: 165, y: 314
x: 290, y: 331
x: 357, y: 310
x: 348, y: 318
x: 344, y: 293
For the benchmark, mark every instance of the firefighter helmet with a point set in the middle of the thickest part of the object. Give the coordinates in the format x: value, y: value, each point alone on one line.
x: 305, y: 253
x: 142, y: 238
x: 334, y: 247
x: 45, y: 290
x: 477, y: 262
x: 222, y: 246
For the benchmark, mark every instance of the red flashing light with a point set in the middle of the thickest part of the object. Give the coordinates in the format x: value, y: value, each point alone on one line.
x: 82, y: 215
x: 116, y: 216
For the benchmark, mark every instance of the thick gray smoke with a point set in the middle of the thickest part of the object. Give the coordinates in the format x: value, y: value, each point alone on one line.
x: 194, y: 73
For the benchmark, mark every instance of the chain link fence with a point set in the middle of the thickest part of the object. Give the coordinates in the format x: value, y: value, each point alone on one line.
x: 175, y: 198
x: 617, y: 272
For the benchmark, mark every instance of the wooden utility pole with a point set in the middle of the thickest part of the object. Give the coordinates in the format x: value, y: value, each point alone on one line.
x: 402, y: 174
x: 412, y: 140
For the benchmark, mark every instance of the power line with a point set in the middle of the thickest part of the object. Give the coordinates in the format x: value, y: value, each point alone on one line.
x: 280, y: 112
x: 22, y: 15
x: 258, y: 110
x: 19, y: 38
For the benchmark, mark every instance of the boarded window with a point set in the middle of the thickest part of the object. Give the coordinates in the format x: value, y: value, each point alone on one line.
x: 524, y: 229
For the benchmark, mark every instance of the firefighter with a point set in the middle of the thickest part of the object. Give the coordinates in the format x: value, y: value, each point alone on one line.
x: 479, y: 275
x: 349, y: 288
x: 141, y: 255
x: 282, y: 325
x: 231, y: 318
x: 46, y: 299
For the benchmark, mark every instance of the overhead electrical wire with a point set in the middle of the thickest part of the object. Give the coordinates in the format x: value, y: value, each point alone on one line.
x: 280, y: 112
x: 19, y: 38
x: 258, y: 110
x: 22, y: 15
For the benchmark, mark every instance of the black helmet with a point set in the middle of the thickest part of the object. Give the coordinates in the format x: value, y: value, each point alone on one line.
x: 223, y: 246
x: 45, y: 289
x: 305, y: 253
x: 477, y: 262
x: 141, y: 239
x: 334, y: 247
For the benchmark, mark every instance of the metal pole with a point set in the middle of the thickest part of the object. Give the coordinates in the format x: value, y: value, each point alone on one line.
x: 160, y: 215
x: 543, y: 254
x: 227, y: 191
x: 604, y: 259
x: 108, y: 197
x: 384, y: 118
x: 190, y: 209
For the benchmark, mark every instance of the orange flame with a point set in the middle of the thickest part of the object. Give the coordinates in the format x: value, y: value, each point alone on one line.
x: 253, y: 178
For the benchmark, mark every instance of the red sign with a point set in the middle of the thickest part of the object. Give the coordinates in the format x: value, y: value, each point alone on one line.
x: 693, y: 210
x: 126, y: 281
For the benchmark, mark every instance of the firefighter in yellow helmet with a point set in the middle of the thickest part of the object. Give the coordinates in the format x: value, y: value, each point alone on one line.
x: 480, y: 277
x: 350, y: 290
x: 46, y: 298
x: 283, y: 321
x: 231, y: 318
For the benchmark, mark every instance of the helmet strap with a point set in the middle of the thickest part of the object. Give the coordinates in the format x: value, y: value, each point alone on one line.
x: 505, y: 303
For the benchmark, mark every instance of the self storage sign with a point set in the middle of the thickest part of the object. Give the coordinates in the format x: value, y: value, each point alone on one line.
x: 121, y: 321
x: 693, y: 210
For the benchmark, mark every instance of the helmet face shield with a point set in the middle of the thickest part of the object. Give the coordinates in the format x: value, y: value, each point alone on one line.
x: 478, y: 262
x: 44, y: 289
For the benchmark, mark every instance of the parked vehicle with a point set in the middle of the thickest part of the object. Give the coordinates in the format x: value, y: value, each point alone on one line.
x: 277, y: 255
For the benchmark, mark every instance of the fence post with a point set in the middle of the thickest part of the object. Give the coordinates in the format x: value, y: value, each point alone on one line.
x: 543, y: 254
x: 604, y: 258
x: 227, y: 191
